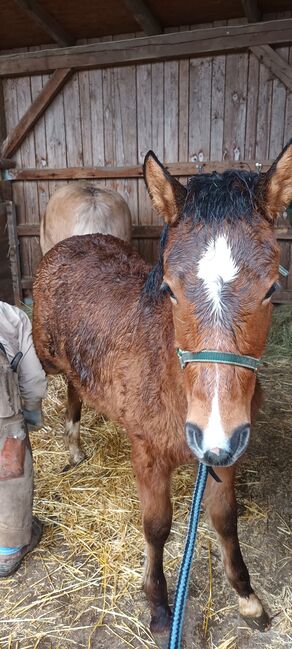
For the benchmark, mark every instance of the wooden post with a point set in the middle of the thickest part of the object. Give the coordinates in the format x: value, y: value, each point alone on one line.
x: 10, y: 287
x: 13, y: 252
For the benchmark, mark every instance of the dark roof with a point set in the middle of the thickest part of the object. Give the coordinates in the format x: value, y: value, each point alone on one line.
x: 101, y: 18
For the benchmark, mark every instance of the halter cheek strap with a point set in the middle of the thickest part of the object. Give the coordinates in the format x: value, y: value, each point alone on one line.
x: 213, y: 356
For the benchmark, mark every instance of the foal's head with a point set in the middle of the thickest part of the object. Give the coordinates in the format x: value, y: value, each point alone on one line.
x: 219, y: 266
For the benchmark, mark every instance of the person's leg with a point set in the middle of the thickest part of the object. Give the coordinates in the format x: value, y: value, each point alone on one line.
x: 19, y: 532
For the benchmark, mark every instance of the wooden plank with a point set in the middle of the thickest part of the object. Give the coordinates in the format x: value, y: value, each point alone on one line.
x: 217, y: 107
x: 133, y: 171
x: 275, y: 63
x: 97, y: 115
x: 72, y: 122
x: 34, y: 112
x: 288, y: 112
x: 85, y: 114
x: 48, y: 23
x: 171, y: 111
x: 278, y: 106
x: 14, y: 252
x: 200, y: 109
x: 151, y: 48
x: 235, y: 105
x: 29, y: 252
x: 264, y: 113
x: 252, y: 107
x: 143, y: 16
x: 144, y: 134
x: 138, y: 231
x: 6, y: 283
x: 3, y: 128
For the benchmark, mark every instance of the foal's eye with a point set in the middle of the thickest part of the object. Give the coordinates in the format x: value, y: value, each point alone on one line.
x: 271, y: 291
x: 166, y: 289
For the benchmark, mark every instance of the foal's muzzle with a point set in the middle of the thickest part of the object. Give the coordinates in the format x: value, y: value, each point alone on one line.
x: 233, y: 449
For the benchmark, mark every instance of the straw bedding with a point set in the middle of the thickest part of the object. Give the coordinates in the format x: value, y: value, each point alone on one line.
x: 82, y: 585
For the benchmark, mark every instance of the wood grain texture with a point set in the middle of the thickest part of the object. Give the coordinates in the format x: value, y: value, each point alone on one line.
x: 149, y: 49
x: 34, y: 112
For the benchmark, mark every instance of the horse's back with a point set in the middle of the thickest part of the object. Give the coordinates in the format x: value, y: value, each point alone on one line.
x: 82, y: 208
x: 84, y: 286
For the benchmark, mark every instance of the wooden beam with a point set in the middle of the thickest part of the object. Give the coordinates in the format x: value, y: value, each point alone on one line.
x: 197, y: 42
x: 274, y: 62
x: 265, y: 53
x: 143, y: 16
x: 35, y: 111
x: 135, y: 171
x: 251, y: 10
x: 3, y: 131
x: 48, y: 23
x: 7, y: 164
x: 138, y: 231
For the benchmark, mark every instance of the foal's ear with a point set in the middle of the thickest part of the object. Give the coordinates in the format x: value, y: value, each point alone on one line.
x: 167, y: 194
x: 277, y: 189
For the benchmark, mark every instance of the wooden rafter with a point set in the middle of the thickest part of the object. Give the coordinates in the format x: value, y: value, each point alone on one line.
x: 35, y: 111
x: 47, y: 22
x: 143, y: 16
x: 151, y: 48
x: 251, y: 10
x: 265, y: 53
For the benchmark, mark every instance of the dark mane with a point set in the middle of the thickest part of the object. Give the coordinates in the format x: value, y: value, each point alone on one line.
x: 214, y: 197
x: 155, y: 276
x: 210, y: 198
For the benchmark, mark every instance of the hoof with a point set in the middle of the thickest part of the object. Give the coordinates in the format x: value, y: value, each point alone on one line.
x: 161, y: 640
x: 160, y: 621
x: 77, y: 457
x: 261, y: 623
x: 73, y: 464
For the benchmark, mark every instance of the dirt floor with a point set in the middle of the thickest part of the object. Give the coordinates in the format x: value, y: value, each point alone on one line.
x: 81, y: 587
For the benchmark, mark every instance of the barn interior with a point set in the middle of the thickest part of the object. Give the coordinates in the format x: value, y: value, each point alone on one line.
x: 85, y: 91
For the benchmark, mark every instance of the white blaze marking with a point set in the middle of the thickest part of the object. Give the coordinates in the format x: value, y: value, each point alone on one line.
x: 216, y: 268
x: 214, y: 435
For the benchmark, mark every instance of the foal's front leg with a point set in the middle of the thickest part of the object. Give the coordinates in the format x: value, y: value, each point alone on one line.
x: 72, y: 425
x: 222, y: 509
x: 154, y: 491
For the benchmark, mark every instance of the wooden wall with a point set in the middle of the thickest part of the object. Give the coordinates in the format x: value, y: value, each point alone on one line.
x: 212, y: 108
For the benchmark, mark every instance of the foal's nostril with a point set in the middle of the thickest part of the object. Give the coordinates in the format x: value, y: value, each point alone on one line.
x: 239, y: 440
x: 194, y: 436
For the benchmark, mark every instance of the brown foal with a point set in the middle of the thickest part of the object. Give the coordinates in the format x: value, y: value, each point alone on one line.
x: 112, y: 327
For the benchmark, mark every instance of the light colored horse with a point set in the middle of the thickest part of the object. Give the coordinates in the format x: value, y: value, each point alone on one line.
x: 82, y: 208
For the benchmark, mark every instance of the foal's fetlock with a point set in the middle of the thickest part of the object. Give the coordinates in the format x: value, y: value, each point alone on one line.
x: 253, y: 613
x: 72, y: 442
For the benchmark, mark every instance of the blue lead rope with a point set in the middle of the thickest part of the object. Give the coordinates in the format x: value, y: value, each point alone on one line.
x: 185, y: 567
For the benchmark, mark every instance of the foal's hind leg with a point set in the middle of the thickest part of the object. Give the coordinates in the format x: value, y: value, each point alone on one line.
x: 222, y: 508
x: 154, y: 491
x: 72, y: 425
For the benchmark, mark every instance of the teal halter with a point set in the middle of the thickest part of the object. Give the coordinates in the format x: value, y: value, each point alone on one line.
x: 213, y: 356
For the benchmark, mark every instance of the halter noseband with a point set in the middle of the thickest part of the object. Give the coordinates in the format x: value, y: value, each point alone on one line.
x: 213, y: 356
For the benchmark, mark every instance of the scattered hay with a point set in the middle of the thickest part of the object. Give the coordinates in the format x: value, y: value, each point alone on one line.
x: 81, y: 586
